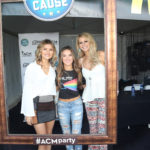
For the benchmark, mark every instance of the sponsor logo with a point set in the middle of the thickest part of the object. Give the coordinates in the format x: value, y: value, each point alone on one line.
x: 26, y: 54
x: 24, y: 42
x: 36, y: 42
x: 25, y: 65
x: 55, y: 42
x: 48, y: 10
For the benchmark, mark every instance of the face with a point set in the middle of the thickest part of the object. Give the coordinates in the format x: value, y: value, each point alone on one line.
x: 67, y: 58
x: 84, y: 44
x: 47, y: 51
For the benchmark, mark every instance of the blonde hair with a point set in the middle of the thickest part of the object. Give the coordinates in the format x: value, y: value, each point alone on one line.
x: 92, y: 51
x: 38, y: 56
x: 60, y: 68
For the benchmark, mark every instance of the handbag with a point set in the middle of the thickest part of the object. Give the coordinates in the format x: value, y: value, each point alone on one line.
x: 44, y: 107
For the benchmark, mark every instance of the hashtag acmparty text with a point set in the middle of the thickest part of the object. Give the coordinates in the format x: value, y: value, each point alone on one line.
x: 55, y: 141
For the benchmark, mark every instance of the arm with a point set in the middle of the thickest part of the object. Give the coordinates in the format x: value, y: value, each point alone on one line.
x: 83, y: 82
x: 80, y: 61
x: 56, y: 82
x: 29, y: 120
x: 27, y: 107
x: 101, y: 55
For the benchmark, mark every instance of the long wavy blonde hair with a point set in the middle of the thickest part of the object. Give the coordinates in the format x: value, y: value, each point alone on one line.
x: 93, y: 57
x: 38, y: 56
x: 75, y: 66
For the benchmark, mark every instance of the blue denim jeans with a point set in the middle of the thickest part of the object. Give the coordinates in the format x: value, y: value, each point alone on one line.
x: 70, y: 117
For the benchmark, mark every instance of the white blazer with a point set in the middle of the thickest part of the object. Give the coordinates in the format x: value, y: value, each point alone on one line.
x: 36, y: 83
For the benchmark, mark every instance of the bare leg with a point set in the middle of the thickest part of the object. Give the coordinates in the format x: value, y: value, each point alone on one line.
x: 49, y: 129
x: 49, y: 126
x: 44, y: 128
x: 40, y: 129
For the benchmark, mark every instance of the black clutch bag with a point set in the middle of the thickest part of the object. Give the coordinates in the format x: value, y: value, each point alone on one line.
x: 44, y: 107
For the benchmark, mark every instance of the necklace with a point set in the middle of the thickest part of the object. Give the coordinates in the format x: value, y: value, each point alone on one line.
x: 45, y: 68
x: 67, y: 72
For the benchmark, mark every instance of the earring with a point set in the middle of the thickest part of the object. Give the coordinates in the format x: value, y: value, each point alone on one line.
x: 79, y: 50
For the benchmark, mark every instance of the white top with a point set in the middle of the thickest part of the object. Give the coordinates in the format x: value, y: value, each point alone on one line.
x: 95, y: 83
x: 36, y: 83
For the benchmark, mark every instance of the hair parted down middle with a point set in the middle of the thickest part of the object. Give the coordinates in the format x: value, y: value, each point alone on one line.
x: 38, y: 52
x: 75, y: 66
x: 93, y: 48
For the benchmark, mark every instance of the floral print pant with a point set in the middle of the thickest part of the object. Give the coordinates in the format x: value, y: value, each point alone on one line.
x: 96, y: 114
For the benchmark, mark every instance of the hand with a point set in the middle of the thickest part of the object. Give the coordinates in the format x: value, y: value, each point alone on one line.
x: 28, y: 120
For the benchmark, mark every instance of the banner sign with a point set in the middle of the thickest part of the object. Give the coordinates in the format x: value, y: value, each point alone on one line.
x: 136, y: 7
x: 28, y: 43
x: 126, y: 9
x: 48, y: 10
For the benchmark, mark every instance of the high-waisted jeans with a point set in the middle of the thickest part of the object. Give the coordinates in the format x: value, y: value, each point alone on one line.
x: 70, y: 117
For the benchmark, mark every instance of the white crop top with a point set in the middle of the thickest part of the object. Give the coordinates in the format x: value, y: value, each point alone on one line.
x: 95, y: 83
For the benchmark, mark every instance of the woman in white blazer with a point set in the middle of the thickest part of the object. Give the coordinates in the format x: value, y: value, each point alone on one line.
x: 39, y: 80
